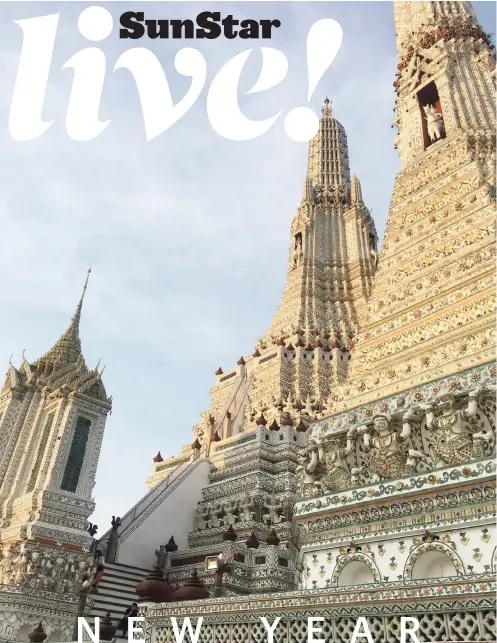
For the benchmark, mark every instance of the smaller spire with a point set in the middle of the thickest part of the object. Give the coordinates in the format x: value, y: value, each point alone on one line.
x: 356, y: 191
x: 68, y: 349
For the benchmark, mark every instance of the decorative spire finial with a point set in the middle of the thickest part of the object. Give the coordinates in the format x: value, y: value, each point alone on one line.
x: 73, y: 329
x: 326, y: 109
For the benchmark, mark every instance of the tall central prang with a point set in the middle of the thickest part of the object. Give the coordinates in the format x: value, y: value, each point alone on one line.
x: 333, y: 254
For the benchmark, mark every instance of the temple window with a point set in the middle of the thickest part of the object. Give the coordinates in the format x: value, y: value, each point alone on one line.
x: 76, y: 455
x: 431, y: 115
x: 41, y: 452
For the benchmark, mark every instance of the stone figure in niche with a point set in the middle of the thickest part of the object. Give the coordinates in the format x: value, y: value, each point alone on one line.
x: 342, y: 194
x: 231, y: 510
x: 337, y: 476
x: 454, y: 441
x: 311, y: 468
x: 434, y: 122
x: 110, y: 554
x: 274, y: 513
x: 297, y: 251
x: 7, y: 565
x: 161, y: 556
x: 34, y: 563
x: 20, y: 567
x: 216, y: 518
x: 247, y: 508
x: 387, y: 447
x: 203, y: 515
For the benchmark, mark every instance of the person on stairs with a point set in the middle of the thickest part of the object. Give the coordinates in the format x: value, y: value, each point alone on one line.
x: 100, y: 568
x: 131, y: 612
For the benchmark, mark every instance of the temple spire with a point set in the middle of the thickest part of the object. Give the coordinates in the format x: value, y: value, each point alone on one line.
x: 73, y: 329
x: 330, y: 235
x: 68, y: 349
x: 328, y: 161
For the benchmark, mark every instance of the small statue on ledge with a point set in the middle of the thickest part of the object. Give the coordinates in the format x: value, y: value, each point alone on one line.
x: 161, y: 555
x: 92, y: 529
x: 110, y: 555
x: 434, y: 122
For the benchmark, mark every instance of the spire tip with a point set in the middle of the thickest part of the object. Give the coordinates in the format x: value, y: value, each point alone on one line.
x: 326, y: 109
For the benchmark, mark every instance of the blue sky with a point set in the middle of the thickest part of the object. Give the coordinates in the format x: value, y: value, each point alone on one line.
x: 187, y: 235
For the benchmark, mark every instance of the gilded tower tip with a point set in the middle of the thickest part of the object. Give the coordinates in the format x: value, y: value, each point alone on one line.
x: 326, y: 109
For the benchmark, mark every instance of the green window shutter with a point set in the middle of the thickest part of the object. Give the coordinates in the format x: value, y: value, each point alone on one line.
x: 41, y: 452
x: 76, y: 455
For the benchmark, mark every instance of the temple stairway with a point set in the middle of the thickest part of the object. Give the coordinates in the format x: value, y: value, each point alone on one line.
x: 116, y: 591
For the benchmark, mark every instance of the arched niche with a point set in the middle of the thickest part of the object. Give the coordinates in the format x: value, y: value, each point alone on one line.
x: 428, y: 95
x: 55, y: 637
x: 355, y: 569
x: 432, y: 560
x: 23, y: 631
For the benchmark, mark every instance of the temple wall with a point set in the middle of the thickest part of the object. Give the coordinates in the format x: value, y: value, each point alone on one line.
x: 174, y: 516
x: 19, y: 614
x: 460, y: 550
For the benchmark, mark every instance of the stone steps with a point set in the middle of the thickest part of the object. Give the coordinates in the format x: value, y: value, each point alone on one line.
x: 116, y: 591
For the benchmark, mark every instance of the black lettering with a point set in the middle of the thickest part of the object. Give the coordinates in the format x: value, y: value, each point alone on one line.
x: 250, y: 29
x: 131, y: 23
x: 157, y: 28
x: 266, y: 26
x: 208, y: 26
x: 228, y: 23
x: 178, y: 26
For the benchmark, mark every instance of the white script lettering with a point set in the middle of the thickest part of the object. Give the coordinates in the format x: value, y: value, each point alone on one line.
x: 159, y: 113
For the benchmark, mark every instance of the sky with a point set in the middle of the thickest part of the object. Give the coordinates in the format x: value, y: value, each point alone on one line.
x: 187, y: 235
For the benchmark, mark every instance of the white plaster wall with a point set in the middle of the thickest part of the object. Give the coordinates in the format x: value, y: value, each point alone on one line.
x: 175, y: 516
x: 473, y: 545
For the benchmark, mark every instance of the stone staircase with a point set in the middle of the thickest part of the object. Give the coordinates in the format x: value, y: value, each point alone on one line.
x: 116, y: 592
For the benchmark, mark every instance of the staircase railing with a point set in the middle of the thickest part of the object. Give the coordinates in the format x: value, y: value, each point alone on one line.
x: 232, y: 399
x: 144, y: 503
x: 239, y: 405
